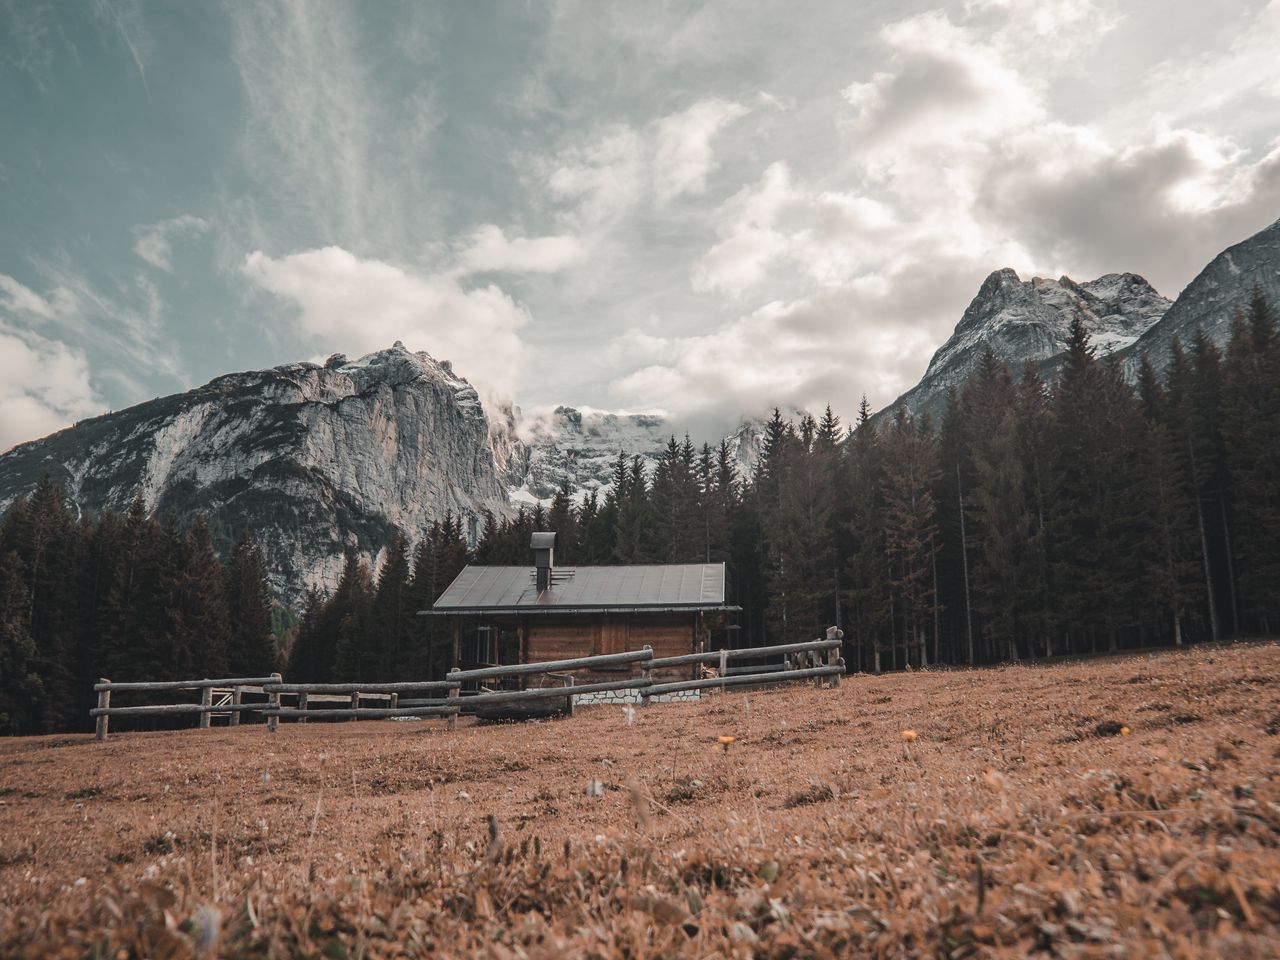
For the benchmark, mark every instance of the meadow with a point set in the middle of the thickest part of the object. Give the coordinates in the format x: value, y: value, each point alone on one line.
x: 1113, y: 807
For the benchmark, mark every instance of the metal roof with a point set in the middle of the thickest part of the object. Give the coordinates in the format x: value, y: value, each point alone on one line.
x: 689, y: 586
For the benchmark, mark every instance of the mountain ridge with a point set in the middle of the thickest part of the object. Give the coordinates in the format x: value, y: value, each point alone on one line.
x: 320, y: 457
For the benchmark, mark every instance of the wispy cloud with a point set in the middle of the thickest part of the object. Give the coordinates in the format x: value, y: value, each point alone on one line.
x: 353, y: 305
x: 327, y: 144
x: 153, y: 242
x: 44, y: 382
x: 489, y: 249
x: 605, y: 176
x: 126, y: 18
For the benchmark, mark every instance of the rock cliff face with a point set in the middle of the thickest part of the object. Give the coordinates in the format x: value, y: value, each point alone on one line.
x: 1210, y: 299
x: 309, y: 458
x: 1025, y: 320
x: 579, y: 447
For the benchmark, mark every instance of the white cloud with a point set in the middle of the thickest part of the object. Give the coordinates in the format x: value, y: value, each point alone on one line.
x: 23, y: 300
x: 44, y: 386
x: 491, y: 250
x: 832, y: 346
x: 355, y: 305
x: 153, y: 242
x: 604, y: 178
x: 621, y: 165
x: 829, y: 236
x: 945, y: 87
x: 682, y: 155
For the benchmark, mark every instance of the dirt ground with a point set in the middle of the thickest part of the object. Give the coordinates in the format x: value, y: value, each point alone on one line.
x: 1120, y: 807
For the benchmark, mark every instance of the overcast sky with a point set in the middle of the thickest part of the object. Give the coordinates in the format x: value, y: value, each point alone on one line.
x: 704, y: 209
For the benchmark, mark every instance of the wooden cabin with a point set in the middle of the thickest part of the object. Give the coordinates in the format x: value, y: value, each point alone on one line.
x: 506, y: 615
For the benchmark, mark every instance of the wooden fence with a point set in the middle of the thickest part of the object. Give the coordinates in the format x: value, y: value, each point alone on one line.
x: 802, y: 661
x: 233, y: 706
x: 556, y: 670
x: 308, y: 694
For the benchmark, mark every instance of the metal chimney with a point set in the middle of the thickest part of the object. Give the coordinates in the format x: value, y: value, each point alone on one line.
x: 544, y: 548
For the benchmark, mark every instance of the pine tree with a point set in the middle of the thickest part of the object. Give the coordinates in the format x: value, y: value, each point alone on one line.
x: 1171, y: 579
x: 634, y: 540
x: 43, y: 534
x: 866, y: 570
x: 347, y: 621
x: 21, y: 687
x: 1035, y: 424
x: 251, y: 647
x: 563, y: 520
x: 199, y: 616
x: 1212, y: 477
x: 910, y: 474
x: 307, y: 663
x: 955, y: 481
x: 1251, y: 426
x: 393, y: 615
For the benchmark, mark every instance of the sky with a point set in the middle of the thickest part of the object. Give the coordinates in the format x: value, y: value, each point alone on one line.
x: 703, y: 209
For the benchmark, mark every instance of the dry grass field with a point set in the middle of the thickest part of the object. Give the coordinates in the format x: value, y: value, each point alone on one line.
x: 1022, y: 818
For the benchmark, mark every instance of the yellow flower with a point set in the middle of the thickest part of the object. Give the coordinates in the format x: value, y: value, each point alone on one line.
x: 1124, y: 731
x: 724, y: 742
x: 909, y: 736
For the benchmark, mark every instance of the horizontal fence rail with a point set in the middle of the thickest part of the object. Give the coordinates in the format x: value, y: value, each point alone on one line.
x: 151, y: 687
x: 773, y: 676
x: 232, y: 689
x: 353, y: 693
x: 400, y: 686
x: 802, y: 661
x: 744, y: 653
x: 365, y: 713
x: 554, y: 666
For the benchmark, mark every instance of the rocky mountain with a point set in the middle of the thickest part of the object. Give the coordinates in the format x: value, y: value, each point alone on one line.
x: 580, y: 447
x: 1209, y: 300
x: 1029, y: 320
x: 310, y: 458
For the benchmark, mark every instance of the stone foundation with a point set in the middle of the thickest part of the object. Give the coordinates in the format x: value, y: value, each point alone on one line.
x: 619, y: 697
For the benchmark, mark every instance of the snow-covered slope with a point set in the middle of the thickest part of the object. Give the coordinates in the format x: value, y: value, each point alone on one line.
x: 1025, y: 320
x: 309, y: 458
x: 580, y: 446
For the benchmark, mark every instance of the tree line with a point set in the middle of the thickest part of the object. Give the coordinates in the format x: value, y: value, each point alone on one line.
x: 122, y: 596
x: 1035, y: 519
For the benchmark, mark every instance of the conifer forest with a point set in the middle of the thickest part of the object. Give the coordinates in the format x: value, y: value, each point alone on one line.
x: 1033, y: 519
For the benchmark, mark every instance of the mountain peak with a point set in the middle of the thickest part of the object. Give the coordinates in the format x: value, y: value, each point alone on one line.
x: 1022, y: 320
x: 314, y: 458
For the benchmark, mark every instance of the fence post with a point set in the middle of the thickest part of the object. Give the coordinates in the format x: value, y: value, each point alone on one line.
x: 302, y: 705
x: 273, y: 722
x: 724, y: 666
x: 206, y: 701
x: 646, y: 672
x: 836, y: 654
x: 395, y: 700
x: 355, y: 703
x: 454, y: 692
x: 104, y: 701
x: 237, y: 695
